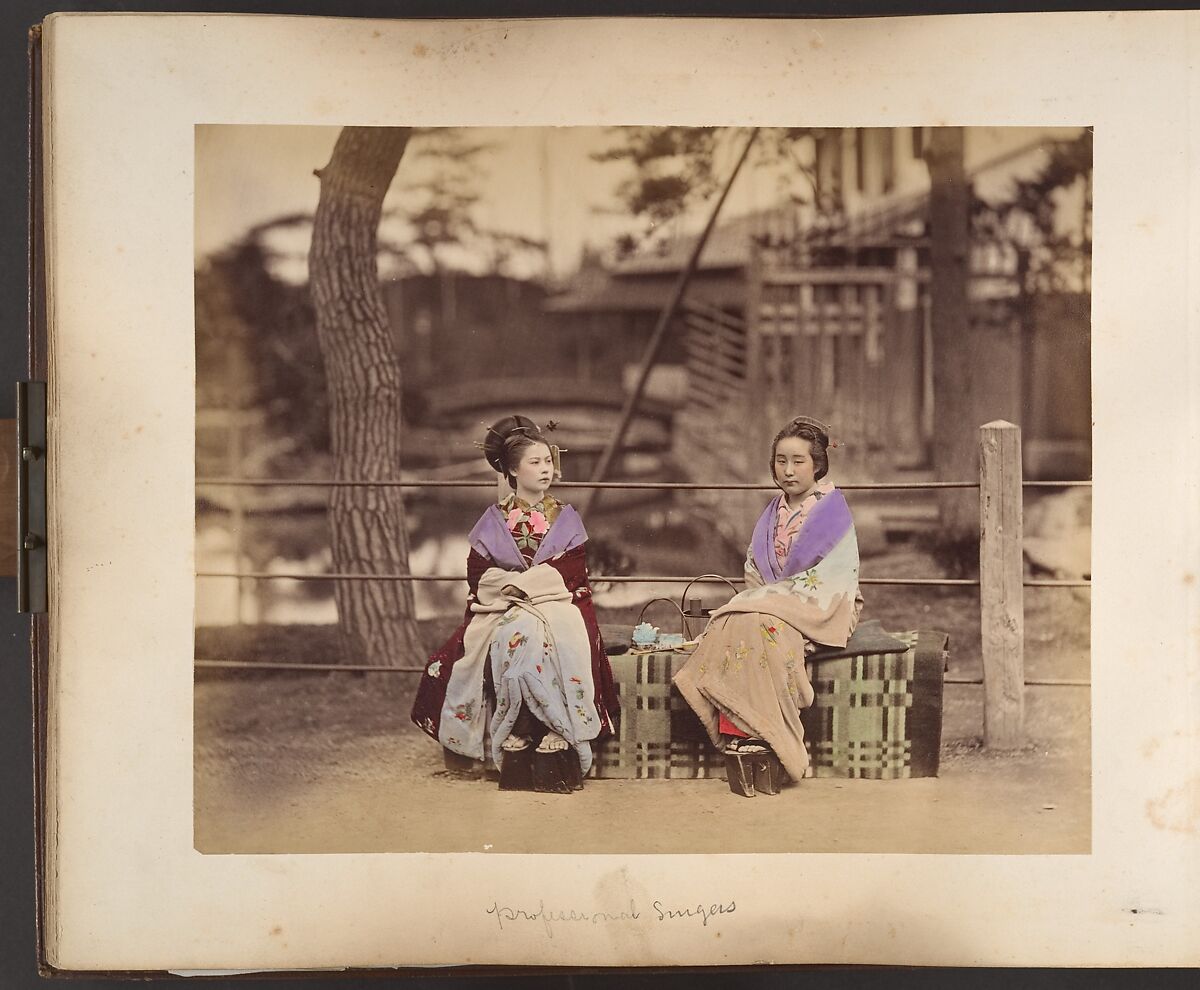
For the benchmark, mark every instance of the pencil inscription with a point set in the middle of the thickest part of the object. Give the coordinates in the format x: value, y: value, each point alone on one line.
x: 507, y: 915
x: 702, y: 911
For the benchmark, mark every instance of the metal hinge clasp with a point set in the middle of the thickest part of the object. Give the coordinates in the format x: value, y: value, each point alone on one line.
x: 31, y: 497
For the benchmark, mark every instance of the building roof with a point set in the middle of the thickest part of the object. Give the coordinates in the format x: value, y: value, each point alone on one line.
x: 897, y: 217
x: 893, y: 217
x: 615, y: 294
x: 643, y: 282
x: 727, y: 247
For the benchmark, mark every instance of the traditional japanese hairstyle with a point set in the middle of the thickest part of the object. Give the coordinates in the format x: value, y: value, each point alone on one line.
x: 507, y: 440
x: 817, y: 435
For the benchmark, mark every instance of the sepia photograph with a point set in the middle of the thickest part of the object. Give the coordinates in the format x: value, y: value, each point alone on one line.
x: 642, y: 489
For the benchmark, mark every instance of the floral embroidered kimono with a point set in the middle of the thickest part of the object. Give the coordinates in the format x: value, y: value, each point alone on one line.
x: 747, y: 674
x: 529, y: 639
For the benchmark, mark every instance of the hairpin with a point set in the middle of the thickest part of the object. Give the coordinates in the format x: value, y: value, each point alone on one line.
x: 809, y: 421
x: 817, y: 424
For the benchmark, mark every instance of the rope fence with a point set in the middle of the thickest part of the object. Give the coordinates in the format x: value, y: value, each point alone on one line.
x: 626, y: 485
x: 1001, y: 580
x: 622, y: 579
x: 679, y: 486
x: 361, y: 668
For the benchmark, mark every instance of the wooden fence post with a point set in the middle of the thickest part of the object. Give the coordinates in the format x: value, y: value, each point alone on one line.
x: 1001, y: 593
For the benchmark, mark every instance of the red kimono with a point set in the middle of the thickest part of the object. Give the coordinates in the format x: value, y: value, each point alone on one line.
x: 504, y: 539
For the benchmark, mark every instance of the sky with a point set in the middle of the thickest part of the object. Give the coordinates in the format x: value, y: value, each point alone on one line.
x: 537, y: 182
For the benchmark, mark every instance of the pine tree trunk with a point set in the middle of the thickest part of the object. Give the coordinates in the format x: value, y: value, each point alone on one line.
x: 956, y: 425
x: 376, y: 618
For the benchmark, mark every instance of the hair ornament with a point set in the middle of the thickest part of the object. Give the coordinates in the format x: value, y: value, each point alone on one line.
x: 500, y: 432
x: 809, y: 421
x: 816, y: 424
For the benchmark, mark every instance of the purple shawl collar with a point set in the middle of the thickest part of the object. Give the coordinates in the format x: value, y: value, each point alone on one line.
x: 828, y: 521
x: 492, y: 538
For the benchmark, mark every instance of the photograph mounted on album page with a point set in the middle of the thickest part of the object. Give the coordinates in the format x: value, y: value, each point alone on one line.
x: 621, y: 513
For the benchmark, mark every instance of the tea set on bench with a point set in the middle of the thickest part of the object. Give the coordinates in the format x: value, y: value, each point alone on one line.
x: 876, y: 711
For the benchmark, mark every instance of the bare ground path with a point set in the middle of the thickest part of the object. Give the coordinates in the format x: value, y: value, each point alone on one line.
x: 314, y: 785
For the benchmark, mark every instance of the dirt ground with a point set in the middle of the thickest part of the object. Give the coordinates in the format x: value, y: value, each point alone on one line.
x: 383, y: 797
x: 294, y: 763
x: 306, y: 783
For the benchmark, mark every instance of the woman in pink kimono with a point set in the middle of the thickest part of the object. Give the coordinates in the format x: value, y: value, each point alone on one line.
x: 746, y: 680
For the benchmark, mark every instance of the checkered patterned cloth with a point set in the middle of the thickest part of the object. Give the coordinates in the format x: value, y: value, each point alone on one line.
x: 660, y: 736
x: 878, y: 716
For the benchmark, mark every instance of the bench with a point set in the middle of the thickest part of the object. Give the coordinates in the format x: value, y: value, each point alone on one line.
x: 877, y: 712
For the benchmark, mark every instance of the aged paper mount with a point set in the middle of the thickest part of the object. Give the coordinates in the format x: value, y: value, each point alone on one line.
x: 127, y: 890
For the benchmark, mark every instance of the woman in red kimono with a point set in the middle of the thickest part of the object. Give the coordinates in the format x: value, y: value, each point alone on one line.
x: 527, y: 667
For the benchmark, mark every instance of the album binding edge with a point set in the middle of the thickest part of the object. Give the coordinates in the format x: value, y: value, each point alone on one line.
x: 36, y: 369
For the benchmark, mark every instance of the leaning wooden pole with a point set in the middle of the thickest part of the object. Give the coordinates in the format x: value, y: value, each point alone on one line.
x: 650, y: 355
x: 1001, y: 592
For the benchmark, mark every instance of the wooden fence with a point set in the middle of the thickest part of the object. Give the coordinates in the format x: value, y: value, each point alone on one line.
x: 846, y: 345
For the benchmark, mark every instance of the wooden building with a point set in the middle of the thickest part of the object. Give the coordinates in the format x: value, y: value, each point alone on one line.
x: 827, y: 312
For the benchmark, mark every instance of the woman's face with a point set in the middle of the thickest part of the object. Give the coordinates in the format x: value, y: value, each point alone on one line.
x: 535, y: 472
x: 794, y: 468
